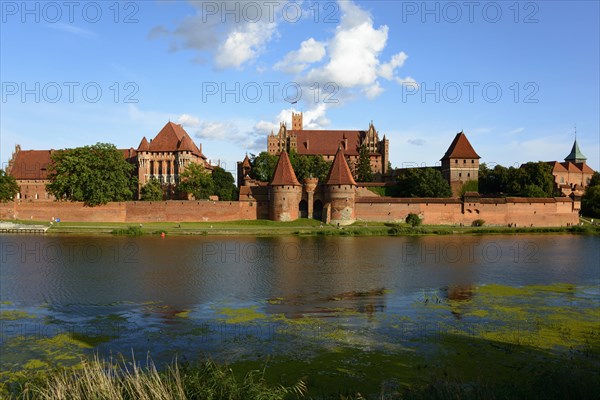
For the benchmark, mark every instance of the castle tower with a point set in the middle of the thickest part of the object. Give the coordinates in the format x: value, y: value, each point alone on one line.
x: 243, y: 169
x: 460, y: 163
x: 341, y: 191
x: 385, y: 155
x: 297, y: 121
x: 285, y: 191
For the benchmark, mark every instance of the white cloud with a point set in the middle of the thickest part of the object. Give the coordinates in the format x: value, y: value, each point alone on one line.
x: 352, y: 57
x: 188, y: 121
x: 294, y: 62
x: 231, y: 39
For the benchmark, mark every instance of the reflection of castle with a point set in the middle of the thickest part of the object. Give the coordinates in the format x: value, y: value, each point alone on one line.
x: 325, y: 143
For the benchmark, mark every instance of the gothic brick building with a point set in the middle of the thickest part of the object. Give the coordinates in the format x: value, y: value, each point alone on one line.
x: 325, y: 143
x: 573, y: 175
x: 163, y: 158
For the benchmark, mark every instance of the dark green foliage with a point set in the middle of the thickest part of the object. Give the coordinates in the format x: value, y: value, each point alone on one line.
x: 413, y: 219
x: 263, y: 166
x: 8, y: 186
x: 224, y: 184
x: 93, y: 174
x: 152, y: 191
x: 595, y: 181
x: 469, y: 186
x: 423, y: 182
x: 131, y: 231
x: 363, y: 169
x: 309, y: 166
x: 533, y: 179
x: 590, y: 202
x: 478, y: 222
x: 196, y: 180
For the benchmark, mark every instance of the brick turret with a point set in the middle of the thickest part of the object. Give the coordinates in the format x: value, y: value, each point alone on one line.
x: 340, y: 190
x: 285, y: 191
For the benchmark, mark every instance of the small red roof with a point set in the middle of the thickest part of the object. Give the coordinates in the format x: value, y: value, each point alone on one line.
x: 340, y: 173
x: 460, y: 148
x: 170, y: 139
x: 557, y: 167
x: 284, y: 173
x: 246, y: 162
x: 586, y: 169
x: 569, y: 166
x: 144, y: 145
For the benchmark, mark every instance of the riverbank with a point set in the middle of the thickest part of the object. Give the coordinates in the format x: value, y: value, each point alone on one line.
x: 303, y: 227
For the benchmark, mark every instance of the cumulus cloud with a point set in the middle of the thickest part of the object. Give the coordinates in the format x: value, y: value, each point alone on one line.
x: 296, y: 61
x: 188, y: 121
x: 352, y: 57
x: 232, y: 33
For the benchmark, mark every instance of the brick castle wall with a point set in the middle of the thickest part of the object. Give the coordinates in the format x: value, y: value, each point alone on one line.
x: 131, y: 211
x: 523, y: 212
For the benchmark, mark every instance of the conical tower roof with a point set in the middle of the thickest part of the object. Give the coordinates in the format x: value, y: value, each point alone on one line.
x: 340, y: 173
x: 284, y: 173
x: 575, y: 155
x: 460, y: 148
x: 144, y: 145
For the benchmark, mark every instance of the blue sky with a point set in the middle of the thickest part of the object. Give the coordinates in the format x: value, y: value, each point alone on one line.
x: 516, y: 77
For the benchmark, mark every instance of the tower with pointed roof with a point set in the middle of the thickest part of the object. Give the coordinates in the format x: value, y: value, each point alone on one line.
x: 460, y: 163
x: 575, y: 156
x: 167, y: 155
x: 340, y: 190
x: 285, y: 191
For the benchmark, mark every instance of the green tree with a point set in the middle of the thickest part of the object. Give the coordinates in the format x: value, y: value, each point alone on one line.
x: 363, y: 168
x: 595, y: 180
x: 540, y: 175
x: 8, y: 186
x: 309, y: 166
x: 263, y: 166
x: 590, y: 202
x: 533, y: 179
x: 196, y: 180
x: 469, y: 186
x: 152, y: 190
x: 224, y: 184
x: 423, y: 182
x: 92, y: 174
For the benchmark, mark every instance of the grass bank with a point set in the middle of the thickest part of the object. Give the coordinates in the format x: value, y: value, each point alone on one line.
x: 301, y: 226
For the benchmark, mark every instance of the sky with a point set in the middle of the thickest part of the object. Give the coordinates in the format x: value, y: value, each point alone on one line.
x: 521, y: 79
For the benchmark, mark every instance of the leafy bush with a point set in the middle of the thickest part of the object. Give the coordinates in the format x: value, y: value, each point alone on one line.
x: 478, y: 222
x: 131, y: 231
x: 413, y: 219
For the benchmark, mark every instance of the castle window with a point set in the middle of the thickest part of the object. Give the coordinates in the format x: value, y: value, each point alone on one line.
x: 460, y: 174
x: 468, y: 175
x: 472, y: 161
x: 464, y: 161
x: 455, y: 161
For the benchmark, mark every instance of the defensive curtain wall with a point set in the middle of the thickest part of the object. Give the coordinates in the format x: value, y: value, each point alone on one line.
x: 560, y: 211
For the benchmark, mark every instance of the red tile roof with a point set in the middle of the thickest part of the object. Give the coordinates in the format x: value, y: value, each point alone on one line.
x: 340, y: 174
x: 323, y: 142
x: 557, y: 167
x: 460, y: 148
x: 284, y: 173
x: 246, y: 162
x: 171, y: 137
x: 144, y: 145
x: 585, y: 168
x: 569, y: 166
x: 31, y: 164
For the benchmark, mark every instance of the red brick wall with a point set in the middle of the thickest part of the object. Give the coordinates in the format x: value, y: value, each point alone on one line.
x: 550, y: 213
x: 176, y: 211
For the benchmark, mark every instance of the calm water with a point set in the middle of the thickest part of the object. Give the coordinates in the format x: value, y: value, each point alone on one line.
x: 240, y: 297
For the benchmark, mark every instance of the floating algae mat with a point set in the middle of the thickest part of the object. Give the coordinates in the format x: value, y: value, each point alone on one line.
x: 488, y: 333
